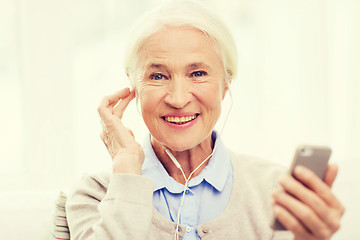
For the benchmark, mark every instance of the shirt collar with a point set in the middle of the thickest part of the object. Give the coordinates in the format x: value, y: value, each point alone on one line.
x: 219, y: 167
x: 153, y: 169
x: 215, y: 173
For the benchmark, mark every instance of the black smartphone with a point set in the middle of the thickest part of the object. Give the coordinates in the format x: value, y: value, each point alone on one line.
x: 312, y: 157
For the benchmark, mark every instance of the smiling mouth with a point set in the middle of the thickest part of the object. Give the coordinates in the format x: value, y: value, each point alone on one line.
x: 180, y: 120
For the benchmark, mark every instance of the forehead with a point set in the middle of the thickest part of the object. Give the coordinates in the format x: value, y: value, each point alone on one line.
x: 179, y: 46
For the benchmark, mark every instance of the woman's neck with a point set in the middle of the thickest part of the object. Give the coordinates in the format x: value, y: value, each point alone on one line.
x: 188, y: 159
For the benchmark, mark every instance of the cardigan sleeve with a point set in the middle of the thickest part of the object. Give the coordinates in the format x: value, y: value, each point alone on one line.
x: 117, y: 208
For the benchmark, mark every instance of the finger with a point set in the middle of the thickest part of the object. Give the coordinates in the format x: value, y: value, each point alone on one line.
x: 314, y: 183
x: 131, y: 132
x: 331, y: 174
x: 120, y: 107
x: 116, y: 132
x: 126, y: 137
x: 115, y: 97
x: 304, y: 194
x: 102, y: 136
x: 291, y: 223
x: 306, y: 216
x: 120, y: 130
x: 328, y: 215
x: 109, y: 101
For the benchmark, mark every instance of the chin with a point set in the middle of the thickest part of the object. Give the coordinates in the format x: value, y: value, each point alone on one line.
x: 183, y: 144
x: 177, y: 143
x: 179, y: 146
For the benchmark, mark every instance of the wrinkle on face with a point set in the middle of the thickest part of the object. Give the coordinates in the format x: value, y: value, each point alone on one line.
x: 181, y: 73
x: 176, y: 53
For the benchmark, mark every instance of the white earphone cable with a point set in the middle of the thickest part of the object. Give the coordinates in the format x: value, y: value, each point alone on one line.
x: 177, y: 164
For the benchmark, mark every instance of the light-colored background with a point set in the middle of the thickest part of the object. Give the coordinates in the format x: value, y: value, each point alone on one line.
x: 299, y: 82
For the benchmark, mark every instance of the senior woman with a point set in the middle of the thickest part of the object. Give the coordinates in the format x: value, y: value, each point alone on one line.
x: 182, y: 182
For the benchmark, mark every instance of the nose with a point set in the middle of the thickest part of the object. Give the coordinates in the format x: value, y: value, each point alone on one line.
x: 178, y: 95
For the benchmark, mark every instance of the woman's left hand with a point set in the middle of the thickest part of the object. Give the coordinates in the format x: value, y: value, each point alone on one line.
x: 306, y: 206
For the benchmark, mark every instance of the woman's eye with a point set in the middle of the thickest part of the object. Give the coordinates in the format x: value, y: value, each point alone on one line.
x: 198, y: 74
x: 157, y: 76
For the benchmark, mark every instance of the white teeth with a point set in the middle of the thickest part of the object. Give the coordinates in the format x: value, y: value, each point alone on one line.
x: 180, y: 120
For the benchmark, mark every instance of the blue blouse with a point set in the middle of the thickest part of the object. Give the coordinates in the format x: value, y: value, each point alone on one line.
x: 207, y: 194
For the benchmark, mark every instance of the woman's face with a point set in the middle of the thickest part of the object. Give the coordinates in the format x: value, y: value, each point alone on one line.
x: 182, y: 86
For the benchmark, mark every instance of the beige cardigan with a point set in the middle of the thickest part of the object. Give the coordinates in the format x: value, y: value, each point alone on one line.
x: 120, y: 207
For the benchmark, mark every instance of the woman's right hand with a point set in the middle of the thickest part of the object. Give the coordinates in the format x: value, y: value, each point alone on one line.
x: 126, y: 153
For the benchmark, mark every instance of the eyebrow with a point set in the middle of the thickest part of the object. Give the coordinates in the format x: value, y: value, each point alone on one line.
x: 197, y: 65
x: 155, y: 65
x: 189, y: 66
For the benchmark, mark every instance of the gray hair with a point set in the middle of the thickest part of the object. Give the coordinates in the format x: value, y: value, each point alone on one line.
x: 182, y: 13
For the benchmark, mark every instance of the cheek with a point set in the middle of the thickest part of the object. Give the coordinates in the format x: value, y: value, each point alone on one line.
x: 213, y: 108
x: 144, y: 93
x: 211, y: 101
x: 149, y: 97
x: 210, y: 97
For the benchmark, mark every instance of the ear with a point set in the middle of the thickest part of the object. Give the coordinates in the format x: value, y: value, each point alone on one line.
x: 225, y: 88
x: 130, y: 81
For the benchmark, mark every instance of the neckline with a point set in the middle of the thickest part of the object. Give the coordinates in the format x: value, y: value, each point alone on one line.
x: 169, y: 226
x: 153, y: 168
